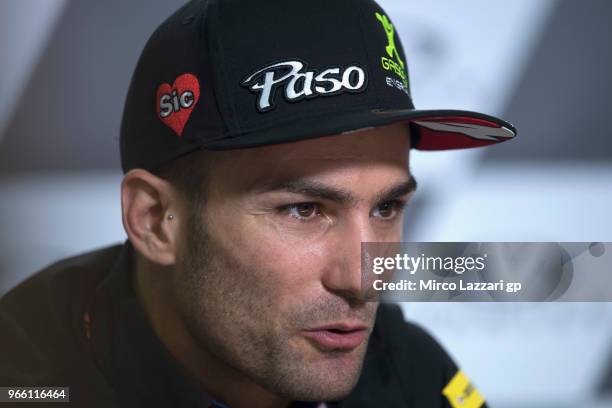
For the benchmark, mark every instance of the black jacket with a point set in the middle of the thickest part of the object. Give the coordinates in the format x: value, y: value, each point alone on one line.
x: 78, y: 323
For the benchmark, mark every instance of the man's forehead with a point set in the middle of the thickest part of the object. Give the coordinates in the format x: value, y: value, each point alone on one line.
x: 388, y: 143
x: 344, y: 193
x: 380, y: 153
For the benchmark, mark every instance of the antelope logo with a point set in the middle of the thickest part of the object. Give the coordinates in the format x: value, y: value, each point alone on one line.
x: 390, y: 31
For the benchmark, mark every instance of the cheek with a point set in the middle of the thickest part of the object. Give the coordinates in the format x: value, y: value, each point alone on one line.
x: 292, y: 267
x: 283, y: 265
x: 297, y: 268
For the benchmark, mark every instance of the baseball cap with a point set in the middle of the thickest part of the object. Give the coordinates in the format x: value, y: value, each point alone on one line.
x: 228, y: 74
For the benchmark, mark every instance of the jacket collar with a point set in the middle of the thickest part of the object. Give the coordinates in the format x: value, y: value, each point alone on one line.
x: 127, y: 349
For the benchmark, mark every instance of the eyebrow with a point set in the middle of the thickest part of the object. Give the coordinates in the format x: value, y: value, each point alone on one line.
x: 397, y: 191
x: 322, y: 191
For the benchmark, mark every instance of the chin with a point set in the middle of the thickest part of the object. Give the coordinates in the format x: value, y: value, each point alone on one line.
x: 330, y: 379
x: 327, y: 390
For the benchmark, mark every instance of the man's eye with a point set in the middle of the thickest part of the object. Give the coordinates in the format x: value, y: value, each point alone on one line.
x: 388, y: 209
x: 302, y: 211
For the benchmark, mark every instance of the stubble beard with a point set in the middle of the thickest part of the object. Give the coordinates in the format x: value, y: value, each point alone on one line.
x: 229, y: 319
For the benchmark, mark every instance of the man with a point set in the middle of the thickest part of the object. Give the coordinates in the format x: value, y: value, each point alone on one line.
x: 262, y: 143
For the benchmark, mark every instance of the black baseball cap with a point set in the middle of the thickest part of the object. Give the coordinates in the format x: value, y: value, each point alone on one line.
x: 228, y: 74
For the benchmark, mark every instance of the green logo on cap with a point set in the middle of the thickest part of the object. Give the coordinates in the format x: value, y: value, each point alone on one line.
x: 394, y: 62
x: 390, y: 31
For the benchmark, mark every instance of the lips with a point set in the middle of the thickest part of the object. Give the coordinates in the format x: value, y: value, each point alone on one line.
x: 338, y: 336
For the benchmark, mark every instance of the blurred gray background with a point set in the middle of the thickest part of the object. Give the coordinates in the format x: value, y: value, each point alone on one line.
x: 544, y: 65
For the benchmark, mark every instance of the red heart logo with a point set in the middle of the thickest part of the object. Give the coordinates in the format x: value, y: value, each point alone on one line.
x: 175, y: 103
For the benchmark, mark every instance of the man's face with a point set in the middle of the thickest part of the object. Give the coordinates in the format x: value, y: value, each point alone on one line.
x: 270, y: 279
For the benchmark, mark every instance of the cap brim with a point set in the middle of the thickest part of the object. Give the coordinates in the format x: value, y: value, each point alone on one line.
x: 430, y: 129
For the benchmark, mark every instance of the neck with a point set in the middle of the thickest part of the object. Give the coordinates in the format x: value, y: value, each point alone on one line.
x: 218, y: 379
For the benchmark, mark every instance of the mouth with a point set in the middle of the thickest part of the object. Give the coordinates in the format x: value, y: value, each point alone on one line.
x: 341, y: 336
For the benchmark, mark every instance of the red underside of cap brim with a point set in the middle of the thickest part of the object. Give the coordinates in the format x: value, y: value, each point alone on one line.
x: 458, y: 132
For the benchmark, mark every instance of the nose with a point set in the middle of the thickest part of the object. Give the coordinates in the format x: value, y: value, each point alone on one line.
x: 343, y: 275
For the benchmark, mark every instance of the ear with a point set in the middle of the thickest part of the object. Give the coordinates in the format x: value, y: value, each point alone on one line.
x: 146, y: 203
